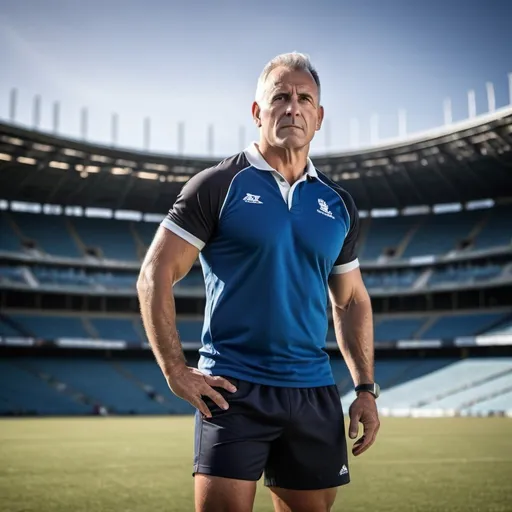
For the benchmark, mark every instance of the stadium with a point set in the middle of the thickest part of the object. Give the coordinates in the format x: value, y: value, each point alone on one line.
x: 86, y: 405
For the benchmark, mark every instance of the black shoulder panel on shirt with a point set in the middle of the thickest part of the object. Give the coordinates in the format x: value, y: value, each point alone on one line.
x: 198, y: 205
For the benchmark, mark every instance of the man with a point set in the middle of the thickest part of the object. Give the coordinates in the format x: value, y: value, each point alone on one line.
x: 275, y: 237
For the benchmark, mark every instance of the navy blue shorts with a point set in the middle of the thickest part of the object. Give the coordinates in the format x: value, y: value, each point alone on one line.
x: 296, y: 436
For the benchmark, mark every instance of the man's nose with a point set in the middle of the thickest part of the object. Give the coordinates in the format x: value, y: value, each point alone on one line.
x: 293, y: 108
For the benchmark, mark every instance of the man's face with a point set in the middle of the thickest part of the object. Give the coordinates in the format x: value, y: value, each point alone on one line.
x: 289, y: 113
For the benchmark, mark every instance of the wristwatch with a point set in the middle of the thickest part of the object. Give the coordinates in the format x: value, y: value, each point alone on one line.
x: 373, y: 389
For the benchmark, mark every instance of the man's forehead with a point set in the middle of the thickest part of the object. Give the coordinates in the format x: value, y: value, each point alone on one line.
x: 283, y: 78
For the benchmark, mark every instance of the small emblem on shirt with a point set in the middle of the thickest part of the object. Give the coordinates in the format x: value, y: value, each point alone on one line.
x: 324, y: 209
x: 251, y: 198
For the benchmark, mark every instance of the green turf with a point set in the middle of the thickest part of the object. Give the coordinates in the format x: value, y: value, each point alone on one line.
x: 143, y: 464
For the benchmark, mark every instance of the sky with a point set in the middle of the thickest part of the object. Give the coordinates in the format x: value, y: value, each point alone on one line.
x: 197, y: 63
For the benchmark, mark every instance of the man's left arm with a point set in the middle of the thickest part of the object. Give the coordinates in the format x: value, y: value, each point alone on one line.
x: 353, y: 324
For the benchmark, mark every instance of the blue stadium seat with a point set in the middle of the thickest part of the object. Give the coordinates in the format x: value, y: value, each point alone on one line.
x: 394, y: 372
x: 51, y: 326
x: 61, y: 276
x: 100, y: 381
x: 114, y: 280
x: 7, y: 329
x: 466, y: 397
x: 50, y: 233
x: 459, y: 275
x: 23, y: 392
x: 398, y: 328
x: 190, y: 330
x: 502, y: 328
x: 391, y: 279
x: 440, y: 233
x: 497, y: 404
x: 9, y: 241
x: 498, y: 230
x: 193, y: 279
x: 112, y: 237
x: 116, y: 329
x: 146, y: 231
x: 12, y: 275
x: 461, y: 325
x: 149, y: 374
x: 423, y: 391
x: 385, y: 232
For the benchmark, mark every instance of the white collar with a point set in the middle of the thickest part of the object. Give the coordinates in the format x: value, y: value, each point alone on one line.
x: 256, y: 159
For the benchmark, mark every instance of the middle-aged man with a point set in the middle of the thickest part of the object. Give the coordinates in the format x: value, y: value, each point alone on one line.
x: 275, y: 238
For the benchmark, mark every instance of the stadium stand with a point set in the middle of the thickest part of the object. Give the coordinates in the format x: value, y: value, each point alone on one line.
x: 398, y: 237
x: 23, y: 392
x: 129, y: 329
x: 71, y: 337
x: 453, y: 386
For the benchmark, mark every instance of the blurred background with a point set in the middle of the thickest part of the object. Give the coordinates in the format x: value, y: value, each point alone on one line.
x: 107, y: 109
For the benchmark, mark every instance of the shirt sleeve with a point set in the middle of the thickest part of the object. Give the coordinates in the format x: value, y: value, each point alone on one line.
x: 194, y: 215
x: 347, y: 259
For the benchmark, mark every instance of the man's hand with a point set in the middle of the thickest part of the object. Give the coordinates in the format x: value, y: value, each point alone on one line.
x: 363, y: 409
x: 190, y: 384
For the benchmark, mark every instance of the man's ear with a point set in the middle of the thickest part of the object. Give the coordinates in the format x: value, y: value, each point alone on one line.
x: 256, y: 111
x: 320, y: 117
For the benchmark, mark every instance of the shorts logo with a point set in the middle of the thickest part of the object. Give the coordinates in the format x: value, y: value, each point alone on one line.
x: 343, y: 470
x: 324, y: 209
x: 251, y: 198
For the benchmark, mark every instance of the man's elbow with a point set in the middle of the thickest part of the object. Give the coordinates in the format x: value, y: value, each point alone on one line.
x: 154, y: 278
x: 143, y: 282
x: 147, y: 277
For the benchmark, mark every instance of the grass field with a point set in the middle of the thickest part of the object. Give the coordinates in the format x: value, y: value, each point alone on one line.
x: 144, y: 464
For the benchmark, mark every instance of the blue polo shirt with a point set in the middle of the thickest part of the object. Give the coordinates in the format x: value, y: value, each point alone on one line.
x: 267, y: 250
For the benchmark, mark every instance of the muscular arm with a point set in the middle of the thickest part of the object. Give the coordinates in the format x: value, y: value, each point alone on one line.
x: 168, y: 260
x: 353, y: 324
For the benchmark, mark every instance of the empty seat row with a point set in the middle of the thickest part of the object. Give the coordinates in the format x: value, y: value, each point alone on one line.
x: 403, y: 236
x: 130, y: 329
x: 80, y: 385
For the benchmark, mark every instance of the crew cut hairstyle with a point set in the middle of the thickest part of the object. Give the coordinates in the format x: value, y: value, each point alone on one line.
x: 294, y: 60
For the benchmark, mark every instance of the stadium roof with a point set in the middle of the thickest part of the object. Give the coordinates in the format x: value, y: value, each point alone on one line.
x: 464, y: 162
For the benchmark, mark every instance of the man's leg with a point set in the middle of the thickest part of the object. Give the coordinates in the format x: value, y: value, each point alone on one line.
x: 232, y: 447
x: 309, y: 461
x: 287, y: 500
x: 217, y: 494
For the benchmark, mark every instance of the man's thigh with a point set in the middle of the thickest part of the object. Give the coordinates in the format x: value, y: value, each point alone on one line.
x: 217, y: 494
x: 311, y: 453
x: 232, y: 447
x: 286, y: 500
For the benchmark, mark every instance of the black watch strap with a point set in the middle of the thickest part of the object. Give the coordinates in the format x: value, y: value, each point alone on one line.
x: 373, y: 388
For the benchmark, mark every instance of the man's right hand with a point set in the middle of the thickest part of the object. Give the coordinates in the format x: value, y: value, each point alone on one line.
x: 190, y: 384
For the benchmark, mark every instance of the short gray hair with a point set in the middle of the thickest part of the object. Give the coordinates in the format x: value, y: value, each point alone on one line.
x: 294, y: 60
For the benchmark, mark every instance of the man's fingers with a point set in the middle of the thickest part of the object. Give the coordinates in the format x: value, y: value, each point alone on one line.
x: 201, y: 407
x: 220, y: 382
x: 216, y: 397
x: 368, y: 438
x: 354, y: 424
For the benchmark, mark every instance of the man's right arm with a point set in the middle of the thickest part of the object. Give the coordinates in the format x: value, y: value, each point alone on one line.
x: 168, y: 260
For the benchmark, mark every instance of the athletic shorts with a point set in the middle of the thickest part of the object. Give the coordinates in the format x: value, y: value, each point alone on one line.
x: 296, y: 436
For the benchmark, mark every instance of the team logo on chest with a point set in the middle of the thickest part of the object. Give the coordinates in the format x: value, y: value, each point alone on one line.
x: 324, y: 209
x: 251, y: 198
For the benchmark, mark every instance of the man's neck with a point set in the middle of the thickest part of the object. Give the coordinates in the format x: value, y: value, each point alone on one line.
x: 290, y: 163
